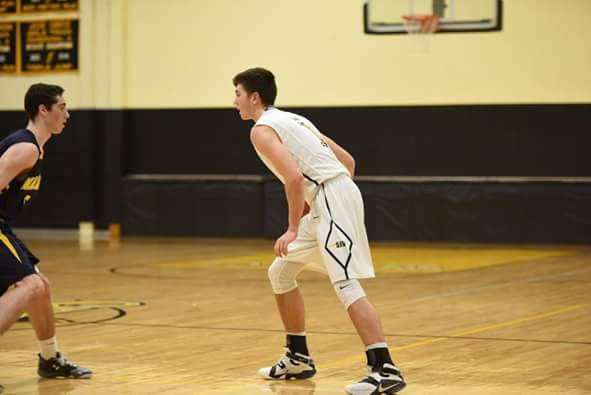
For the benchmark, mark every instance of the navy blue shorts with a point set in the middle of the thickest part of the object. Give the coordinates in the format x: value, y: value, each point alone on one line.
x: 16, y: 261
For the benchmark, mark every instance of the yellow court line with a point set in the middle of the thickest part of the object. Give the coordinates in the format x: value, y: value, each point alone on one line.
x: 430, y: 260
x: 518, y: 321
x: 339, y: 362
x: 354, y: 359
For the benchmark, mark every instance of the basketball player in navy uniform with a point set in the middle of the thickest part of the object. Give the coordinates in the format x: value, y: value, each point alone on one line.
x: 330, y: 238
x: 22, y: 286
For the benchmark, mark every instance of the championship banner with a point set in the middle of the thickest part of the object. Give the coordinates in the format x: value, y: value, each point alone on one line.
x: 48, y: 5
x: 7, y: 7
x: 49, y: 45
x: 7, y: 47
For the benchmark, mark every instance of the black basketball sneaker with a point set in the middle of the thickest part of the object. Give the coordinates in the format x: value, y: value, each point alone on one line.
x: 59, y: 366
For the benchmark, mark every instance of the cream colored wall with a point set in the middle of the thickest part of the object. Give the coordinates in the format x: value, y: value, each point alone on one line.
x: 183, y: 53
x: 98, y: 83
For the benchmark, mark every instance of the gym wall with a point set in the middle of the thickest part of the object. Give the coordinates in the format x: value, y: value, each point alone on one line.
x: 154, y: 95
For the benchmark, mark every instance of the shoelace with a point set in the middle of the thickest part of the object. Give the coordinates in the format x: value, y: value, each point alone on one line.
x: 63, y: 362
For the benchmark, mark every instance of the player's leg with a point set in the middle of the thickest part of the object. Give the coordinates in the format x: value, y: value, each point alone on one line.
x: 292, y: 311
x: 40, y: 311
x: 347, y: 258
x: 383, y: 375
x: 52, y: 364
x: 296, y: 363
x: 15, y: 300
x: 367, y: 321
x: 18, y: 282
x: 39, y: 308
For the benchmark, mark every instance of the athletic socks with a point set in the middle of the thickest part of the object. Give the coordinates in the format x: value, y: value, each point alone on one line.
x: 48, y: 347
x: 377, y: 355
x: 296, y: 343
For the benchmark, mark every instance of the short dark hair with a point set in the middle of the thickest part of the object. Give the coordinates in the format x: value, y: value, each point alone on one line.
x: 38, y: 94
x: 258, y: 80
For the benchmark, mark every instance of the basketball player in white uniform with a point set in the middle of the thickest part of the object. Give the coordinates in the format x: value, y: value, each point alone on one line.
x: 329, y: 238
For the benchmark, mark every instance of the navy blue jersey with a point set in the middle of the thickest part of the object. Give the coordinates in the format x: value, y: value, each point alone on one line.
x: 23, y: 188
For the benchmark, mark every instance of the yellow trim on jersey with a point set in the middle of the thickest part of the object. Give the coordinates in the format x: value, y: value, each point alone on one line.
x: 10, y: 247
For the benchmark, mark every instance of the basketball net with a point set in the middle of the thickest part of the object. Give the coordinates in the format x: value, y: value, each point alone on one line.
x: 420, y: 29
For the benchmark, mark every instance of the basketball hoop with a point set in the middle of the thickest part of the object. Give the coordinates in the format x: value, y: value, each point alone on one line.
x: 420, y: 28
x: 421, y: 24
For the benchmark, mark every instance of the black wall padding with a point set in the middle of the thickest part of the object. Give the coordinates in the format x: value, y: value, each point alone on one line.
x: 479, y: 212
x: 477, y: 140
x: 110, y: 165
x: 190, y: 141
x: 548, y: 213
x: 85, y: 165
x: 192, y: 208
x: 275, y: 208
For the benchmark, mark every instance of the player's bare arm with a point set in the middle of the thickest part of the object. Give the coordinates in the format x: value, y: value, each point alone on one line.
x: 342, y: 155
x: 268, y: 144
x: 16, y: 160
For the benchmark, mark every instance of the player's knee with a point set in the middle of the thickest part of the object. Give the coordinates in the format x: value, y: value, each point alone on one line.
x: 46, y: 283
x: 349, y: 291
x: 34, y: 286
x: 282, y: 276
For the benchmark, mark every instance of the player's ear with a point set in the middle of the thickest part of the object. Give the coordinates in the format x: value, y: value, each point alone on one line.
x: 42, y: 109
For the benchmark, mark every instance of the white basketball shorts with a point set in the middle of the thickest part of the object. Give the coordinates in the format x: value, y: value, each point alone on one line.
x: 332, y: 238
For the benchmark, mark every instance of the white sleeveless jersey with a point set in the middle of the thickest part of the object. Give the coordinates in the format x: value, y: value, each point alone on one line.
x: 305, y: 143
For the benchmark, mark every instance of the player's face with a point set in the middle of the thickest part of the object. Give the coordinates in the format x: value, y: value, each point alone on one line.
x: 57, y: 116
x: 243, y: 103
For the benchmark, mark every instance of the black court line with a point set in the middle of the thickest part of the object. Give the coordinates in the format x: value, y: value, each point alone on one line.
x: 62, y: 322
x: 169, y: 326
x: 115, y: 270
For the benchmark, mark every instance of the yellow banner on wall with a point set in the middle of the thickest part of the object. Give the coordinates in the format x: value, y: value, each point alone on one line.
x: 8, y: 47
x: 49, y: 45
x: 7, y: 7
x: 48, y: 5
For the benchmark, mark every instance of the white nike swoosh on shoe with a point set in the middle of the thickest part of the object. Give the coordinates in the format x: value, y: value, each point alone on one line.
x: 384, y: 389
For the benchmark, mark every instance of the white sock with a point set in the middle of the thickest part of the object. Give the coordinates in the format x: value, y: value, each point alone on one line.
x: 376, y: 345
x: 297, y: 333
x: 48, y: 347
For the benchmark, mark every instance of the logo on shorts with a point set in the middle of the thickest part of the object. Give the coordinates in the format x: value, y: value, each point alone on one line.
x: 340, y: 244
x: 26, y: 200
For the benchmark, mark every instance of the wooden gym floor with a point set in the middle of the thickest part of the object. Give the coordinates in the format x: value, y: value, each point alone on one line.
x: 197, y: 316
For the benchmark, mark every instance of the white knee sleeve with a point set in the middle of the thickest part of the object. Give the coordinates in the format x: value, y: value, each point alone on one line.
x: 348, y: 291
x: 282, y: 275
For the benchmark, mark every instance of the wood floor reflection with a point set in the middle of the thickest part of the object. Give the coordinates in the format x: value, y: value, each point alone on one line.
x: 197, y: 316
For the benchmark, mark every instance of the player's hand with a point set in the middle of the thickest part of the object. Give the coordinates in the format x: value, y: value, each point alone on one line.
x: 306, y: 209
x: 282, y: 243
